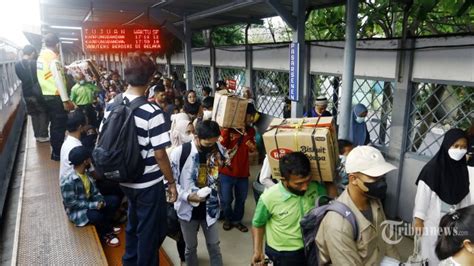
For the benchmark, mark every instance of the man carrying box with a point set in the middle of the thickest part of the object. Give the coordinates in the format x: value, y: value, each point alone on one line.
x: 234, y: 178
x: 279, y: 211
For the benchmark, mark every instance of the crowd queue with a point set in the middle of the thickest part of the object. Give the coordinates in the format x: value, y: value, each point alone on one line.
x: 199, y: 172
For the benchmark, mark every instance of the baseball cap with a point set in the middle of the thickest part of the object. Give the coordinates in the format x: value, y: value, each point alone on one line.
x: 78, y: 155
x: 367, y: 160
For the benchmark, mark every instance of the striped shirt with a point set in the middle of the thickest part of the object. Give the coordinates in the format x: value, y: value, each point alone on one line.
x: 152, y: 135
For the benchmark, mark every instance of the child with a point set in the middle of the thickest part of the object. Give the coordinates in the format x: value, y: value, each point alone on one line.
x: 345, y: 147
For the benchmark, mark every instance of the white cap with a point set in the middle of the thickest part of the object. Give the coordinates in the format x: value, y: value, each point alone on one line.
x: 367, y: 160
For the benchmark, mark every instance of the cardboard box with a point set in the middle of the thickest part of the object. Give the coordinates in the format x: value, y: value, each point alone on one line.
x: 316, y: 138
x: 229, y: 110
x: 86, y: 67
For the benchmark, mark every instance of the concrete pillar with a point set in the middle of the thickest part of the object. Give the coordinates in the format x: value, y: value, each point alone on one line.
x: 399, y: 127
x: 213, y: 68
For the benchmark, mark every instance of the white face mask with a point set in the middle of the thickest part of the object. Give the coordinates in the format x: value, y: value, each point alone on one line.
x: 360, y: 119
x: 457, y: 154
x: 207, y: 115
x: 185, y: 137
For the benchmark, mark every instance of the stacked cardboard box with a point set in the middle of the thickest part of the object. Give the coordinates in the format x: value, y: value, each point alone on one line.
x: 85, y: 67
x: 316, y: 137
x: 229, y: 110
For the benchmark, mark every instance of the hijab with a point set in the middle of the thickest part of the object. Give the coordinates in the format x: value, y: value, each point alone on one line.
x: 448, y: 178
x: 358, y: 131
x: 180, y: 123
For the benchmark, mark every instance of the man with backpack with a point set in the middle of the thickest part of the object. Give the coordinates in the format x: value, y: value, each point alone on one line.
x: 195, y: 166
x: 279, y: 211
x: 138, y: 161
x: 335, y: 239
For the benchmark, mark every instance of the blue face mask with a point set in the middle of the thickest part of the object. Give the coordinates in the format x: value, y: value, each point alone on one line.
x: 360, y: 120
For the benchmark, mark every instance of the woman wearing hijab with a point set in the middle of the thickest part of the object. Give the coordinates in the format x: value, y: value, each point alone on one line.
x: 358, y: 133
x: 182, y: 129
x: 191, y: 105
x: 443, y: 186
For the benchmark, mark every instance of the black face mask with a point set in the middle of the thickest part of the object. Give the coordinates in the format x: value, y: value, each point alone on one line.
x: 377, y: 189
x: 206, y: 149
x: 295, y: 191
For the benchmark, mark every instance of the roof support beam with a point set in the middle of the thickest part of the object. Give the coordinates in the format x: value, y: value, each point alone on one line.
x: 220, y: 9
x: 178, y: 33
x: 188, y: 54
x: 289, y: 18
x: 100, y: 5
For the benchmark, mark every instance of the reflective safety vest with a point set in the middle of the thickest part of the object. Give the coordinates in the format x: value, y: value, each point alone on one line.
x: 45, y: 76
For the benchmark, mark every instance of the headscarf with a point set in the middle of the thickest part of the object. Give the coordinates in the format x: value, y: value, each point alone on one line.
x: 358, y: 131
x: 179, y: 125
x: 448, y: 178
x: 191, y: 108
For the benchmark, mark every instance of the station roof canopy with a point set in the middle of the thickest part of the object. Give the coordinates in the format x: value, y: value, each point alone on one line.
x: 201, y: 14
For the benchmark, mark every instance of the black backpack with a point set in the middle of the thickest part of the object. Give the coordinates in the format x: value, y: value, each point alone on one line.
x: 312, y: 220
x: 117, y: 154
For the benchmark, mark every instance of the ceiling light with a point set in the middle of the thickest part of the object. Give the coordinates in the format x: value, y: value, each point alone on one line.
x: 68, y: 39
x: 67, y: 42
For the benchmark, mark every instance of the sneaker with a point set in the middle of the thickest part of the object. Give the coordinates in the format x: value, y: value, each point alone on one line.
x: 111, y: 240
x: 116, y: 230
x: 42, y: 140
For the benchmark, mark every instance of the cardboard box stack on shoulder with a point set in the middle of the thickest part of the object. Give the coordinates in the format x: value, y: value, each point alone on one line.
x: 316, y: 137
x: 229, y: 110
x: 86, y: 67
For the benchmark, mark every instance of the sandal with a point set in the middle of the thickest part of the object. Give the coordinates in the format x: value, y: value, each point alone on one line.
x: 242, y: 228
x: 111, y: 240
x: 227, y: 226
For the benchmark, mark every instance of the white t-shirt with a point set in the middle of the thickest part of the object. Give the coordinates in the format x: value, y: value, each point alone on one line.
x: 69, y: 143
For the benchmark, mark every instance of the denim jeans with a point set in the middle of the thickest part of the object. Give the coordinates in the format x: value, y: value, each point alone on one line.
x: 286, y: 258
x: 146, y: 226
x: 58, y: 118
x: 211, y: 233
x: 231, y: 187
x: 102, y: 219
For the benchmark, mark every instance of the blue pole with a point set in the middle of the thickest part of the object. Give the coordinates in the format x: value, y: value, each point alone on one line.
x: 349, y: 64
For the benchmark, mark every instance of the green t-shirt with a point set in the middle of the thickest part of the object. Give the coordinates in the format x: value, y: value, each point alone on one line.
x: 281, y: 212
x: 83, y: 94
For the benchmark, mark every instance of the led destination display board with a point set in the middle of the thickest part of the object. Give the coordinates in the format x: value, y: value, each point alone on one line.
x: 121, y: 39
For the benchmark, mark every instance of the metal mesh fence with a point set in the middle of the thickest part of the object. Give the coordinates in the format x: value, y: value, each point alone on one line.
x: 179, y: 69
x: 202, y: 78
x: 237, y: 74
x: 328, y: 86
x: 272, y: 89
x: 434, y: 109
x: 376, y: 95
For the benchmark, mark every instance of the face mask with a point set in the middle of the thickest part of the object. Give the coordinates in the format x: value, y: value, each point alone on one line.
x: 187, y: 138
x: 207, y: 115
x: 360, y: 119
x: 295, y: 191
x: 377, y: 189
x: 206, y: 149
x: 82, y: 82
x: 457, y: 154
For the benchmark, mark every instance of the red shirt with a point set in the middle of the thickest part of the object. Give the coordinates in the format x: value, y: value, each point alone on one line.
x: 241, y: 145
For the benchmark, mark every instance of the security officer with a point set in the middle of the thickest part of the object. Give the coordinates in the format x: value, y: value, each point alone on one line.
x: 53, y: 85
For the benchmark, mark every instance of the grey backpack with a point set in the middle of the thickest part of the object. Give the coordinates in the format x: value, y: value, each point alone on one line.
x: 312, y: 220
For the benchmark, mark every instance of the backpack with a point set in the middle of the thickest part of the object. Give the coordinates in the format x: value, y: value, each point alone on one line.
x: 117, y: 154
x: 312, y: 220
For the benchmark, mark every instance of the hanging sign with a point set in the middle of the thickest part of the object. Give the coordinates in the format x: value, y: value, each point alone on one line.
x: 121, y: 39
x: 294, y: 71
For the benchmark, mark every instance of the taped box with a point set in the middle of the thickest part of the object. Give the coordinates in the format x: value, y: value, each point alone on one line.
x: 84, y: 67
x: 229, y: 110
x: 315, y: 137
